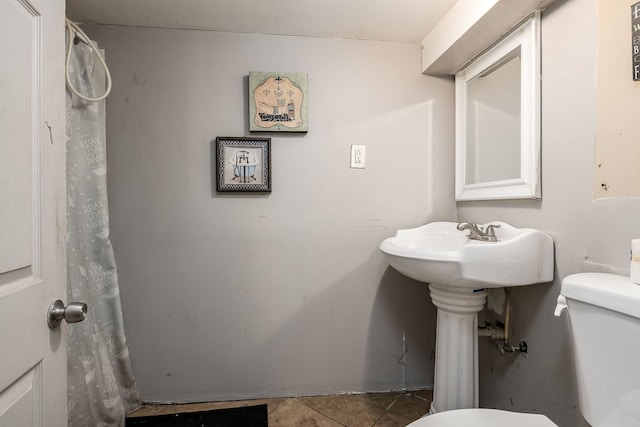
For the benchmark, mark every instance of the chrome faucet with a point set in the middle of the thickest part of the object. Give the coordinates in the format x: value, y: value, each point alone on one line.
x: 477, y: 233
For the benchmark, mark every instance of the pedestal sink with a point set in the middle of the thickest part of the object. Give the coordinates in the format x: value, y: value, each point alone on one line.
x: 458, y: 271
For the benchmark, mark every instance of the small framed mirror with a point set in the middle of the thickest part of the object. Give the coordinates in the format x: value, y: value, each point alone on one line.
x: 498, y: 119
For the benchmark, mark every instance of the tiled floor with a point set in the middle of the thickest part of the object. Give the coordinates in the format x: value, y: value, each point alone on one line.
x: 345, y: 410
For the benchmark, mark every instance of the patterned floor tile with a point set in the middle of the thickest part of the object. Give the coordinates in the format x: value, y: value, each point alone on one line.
x: 353, y: 410
x: 410, y: 406
x: 391, y: 420
x: 392, y: 409
x: 292, y: 413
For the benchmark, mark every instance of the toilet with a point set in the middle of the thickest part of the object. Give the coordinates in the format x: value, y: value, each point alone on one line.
x: 604, y: 314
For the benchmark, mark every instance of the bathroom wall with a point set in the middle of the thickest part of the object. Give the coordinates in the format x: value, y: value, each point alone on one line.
x: 589, y: 235
x: 234, y: 296
x: 616, y: 172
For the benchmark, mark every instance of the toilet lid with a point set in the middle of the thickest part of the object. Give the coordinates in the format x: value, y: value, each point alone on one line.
x: 482, y: 418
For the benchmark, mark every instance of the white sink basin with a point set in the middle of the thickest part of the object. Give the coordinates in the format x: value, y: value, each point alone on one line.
x: 438, y: 253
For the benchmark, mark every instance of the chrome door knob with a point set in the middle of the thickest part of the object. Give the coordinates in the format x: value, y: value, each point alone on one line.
x: 73, y: 313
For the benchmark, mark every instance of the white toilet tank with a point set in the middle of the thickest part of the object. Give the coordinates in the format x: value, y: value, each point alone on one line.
x: 604, y: 313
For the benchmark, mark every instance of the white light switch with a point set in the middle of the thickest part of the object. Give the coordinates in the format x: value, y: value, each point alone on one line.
x: 358, y: 153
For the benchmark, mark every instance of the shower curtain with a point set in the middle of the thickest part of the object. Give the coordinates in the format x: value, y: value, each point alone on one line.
x: 101, y: 386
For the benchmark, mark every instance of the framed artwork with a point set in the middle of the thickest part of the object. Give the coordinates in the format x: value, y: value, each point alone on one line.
x: 243, y: 164
x: 635, y: 40
x: 278, y: 102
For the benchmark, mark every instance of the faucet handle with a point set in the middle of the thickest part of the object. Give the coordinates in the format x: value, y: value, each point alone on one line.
x: 491, y: 233
x: 466, y: 226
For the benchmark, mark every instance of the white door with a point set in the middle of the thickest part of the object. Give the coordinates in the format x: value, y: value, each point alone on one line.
x: 32, y: 212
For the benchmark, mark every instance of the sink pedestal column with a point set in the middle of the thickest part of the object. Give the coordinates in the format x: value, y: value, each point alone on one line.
x: 456, y: 368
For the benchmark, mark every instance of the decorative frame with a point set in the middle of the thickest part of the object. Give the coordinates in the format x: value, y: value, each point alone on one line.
x: 635, y: 41
x: 527, y: 185
x: 243, y: 164
x: 278, y: 102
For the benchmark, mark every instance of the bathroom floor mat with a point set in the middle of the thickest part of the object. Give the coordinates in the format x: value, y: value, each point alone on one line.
x: 246, y: 416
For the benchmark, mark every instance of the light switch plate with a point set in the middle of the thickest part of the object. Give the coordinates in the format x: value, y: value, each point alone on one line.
x: 358, y: 155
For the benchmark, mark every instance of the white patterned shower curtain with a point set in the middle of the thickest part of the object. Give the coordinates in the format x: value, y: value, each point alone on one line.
x: 101, y: 385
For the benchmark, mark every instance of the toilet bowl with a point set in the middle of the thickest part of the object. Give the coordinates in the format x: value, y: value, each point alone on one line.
x: 477, y: 417
x: 608, y: 397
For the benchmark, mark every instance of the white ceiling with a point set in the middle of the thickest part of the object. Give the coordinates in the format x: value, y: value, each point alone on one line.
x: 392, y: 20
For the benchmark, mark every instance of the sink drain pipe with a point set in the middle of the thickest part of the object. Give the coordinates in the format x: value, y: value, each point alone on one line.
x: 502, y: 332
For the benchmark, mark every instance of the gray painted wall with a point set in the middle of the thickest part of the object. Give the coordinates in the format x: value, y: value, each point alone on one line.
x: 229, y: 296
